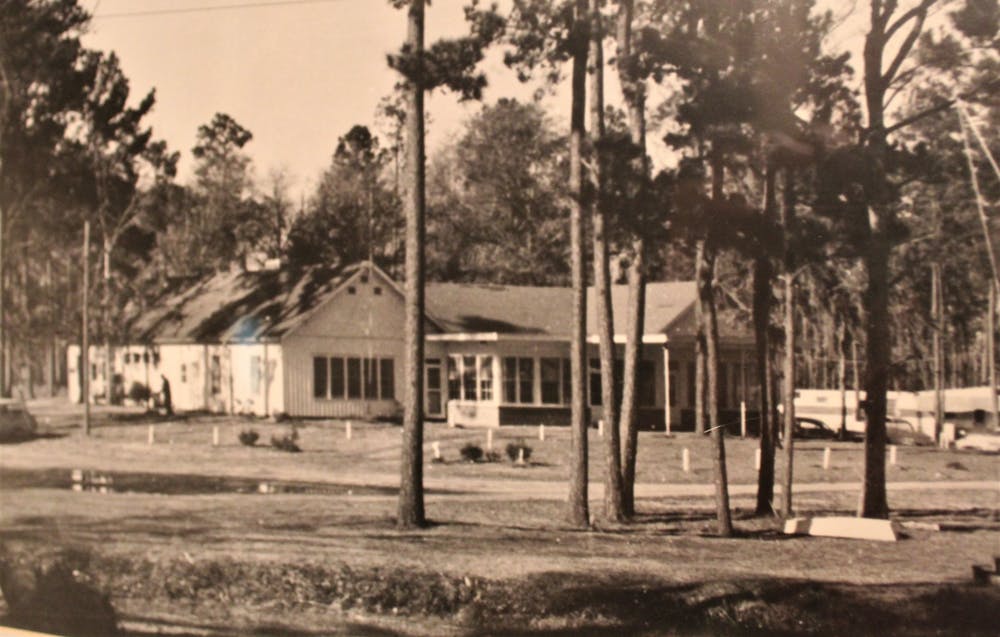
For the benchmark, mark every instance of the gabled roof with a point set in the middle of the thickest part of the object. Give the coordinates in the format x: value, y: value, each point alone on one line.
x: 546, y: 311
x: 237, y: 305
x: 266, y: 305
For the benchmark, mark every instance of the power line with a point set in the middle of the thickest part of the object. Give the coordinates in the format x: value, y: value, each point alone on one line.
x: 208, y: 8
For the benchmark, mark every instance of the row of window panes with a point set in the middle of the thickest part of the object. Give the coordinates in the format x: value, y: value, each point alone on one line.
x: 554, y: 376
x: 135, y: 357
x: 470, y: 377
x: 339, y: 377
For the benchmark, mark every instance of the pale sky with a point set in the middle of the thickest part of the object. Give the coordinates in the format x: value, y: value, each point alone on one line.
x: 298, y: 76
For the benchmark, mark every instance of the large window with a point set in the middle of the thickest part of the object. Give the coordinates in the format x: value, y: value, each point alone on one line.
x: 470, y: 377
x: 354, y: 378
x: 551, y: 376
x: 674, y: 370
x: 518, y: 380
x: 387, y: 379
x: 646, y: 384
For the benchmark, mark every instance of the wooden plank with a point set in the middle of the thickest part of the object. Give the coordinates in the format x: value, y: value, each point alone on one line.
x: 843, y: 527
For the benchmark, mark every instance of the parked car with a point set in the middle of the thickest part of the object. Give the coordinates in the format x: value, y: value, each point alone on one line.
x: 812, y: 429
x: 16, y: 423
x: 979, y: 441
x: 902, y: 432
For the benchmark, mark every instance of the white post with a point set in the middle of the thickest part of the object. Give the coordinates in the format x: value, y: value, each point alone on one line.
x: 151, y: 436
x: 756, y: 459
x: 686, y: 460
x: 666, y: 390
x: 347, y: 430
x: 743, y: 419
x: 892, y: 455
x: 541, y: 432
x: 520, y: 455
x: 437, y: 449
x: 215, y: 436
x: 826, y: 458
x: 489, y: 440
x: 600, y: 428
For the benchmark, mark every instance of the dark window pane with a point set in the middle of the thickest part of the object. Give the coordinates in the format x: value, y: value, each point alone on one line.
x: 319, y: 376
x: 469, y: 377
x: 354, y: 378
x: 371, y: 378
x: 567, y: 381
x: 551, y: 374
x: 337, y: 389
x: 647, y: 384
x: 526, y: 379
x: 387, y: 373
x: 454, y: 380
x: 510, y: 380
x: 595, y: 382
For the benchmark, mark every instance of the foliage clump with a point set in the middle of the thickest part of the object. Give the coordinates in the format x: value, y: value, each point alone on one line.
x: 288, y: 442
x: 249, y: 437
x: 518, y: 451
x: 471, y: 452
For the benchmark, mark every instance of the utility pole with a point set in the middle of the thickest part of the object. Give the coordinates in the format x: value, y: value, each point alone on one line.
x: 85, y: 338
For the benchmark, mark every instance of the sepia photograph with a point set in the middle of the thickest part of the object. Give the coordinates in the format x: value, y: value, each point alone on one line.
x: 469, y: 318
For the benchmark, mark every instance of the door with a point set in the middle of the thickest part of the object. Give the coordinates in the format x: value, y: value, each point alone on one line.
x: 433, y: 395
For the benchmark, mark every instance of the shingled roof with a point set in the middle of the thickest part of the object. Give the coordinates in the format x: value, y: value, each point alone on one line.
x: 546, y: 311
x: 245, y: 306
x: 238, y: 305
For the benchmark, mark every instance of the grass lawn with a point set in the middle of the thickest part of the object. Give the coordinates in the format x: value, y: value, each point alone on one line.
x: 497, y: 559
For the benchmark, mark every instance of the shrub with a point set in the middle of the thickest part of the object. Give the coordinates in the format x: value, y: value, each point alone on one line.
x: 471, y: 453
x: 138, y: 393
x: 492, y: 456
x: 514, y: 449
x: 249, y: 437
x: 288, y: 442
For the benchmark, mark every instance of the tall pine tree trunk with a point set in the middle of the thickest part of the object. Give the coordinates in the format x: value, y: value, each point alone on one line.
x: 579, y: 511
x: 633, y: 91
x: 706, y: 294
x: 762, y: 281
x: 788, y: 390
x: 411, y: 490
x: 602, y: 275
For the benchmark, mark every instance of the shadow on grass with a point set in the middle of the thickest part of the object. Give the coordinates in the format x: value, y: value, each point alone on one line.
x: 145, y: 626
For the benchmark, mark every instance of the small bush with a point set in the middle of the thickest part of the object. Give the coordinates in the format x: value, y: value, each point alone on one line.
x: 138, y: 393
x: 471, y: 453
x: 514, y: 449
x: 249, y: 437
x: 492, y: 456
x: 288, y: 442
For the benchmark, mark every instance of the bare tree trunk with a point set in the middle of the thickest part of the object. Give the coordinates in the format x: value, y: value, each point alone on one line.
x: 762, y: 282
x: 991, y: 352
x: 634, y: 93
x: 602, y: 275
x: 788, y: 391
x: 85, y: 329
x: 842, y: 378
x: 700, y: 350
x: 633, y: 354
x: 106, y: 320
x: 411, y: 490
x: 937, y: 310
x: 3, y: 296
x: 706, y: 293
x: 579, y: 510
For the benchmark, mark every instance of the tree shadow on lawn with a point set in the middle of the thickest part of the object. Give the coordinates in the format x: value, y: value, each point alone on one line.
x: 137, y: 626
x: 755, y: 606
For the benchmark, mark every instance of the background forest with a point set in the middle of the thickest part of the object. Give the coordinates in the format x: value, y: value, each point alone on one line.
x: 756, y: 92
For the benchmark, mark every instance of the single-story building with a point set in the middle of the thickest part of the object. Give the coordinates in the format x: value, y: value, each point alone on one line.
x: 329, y: 344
